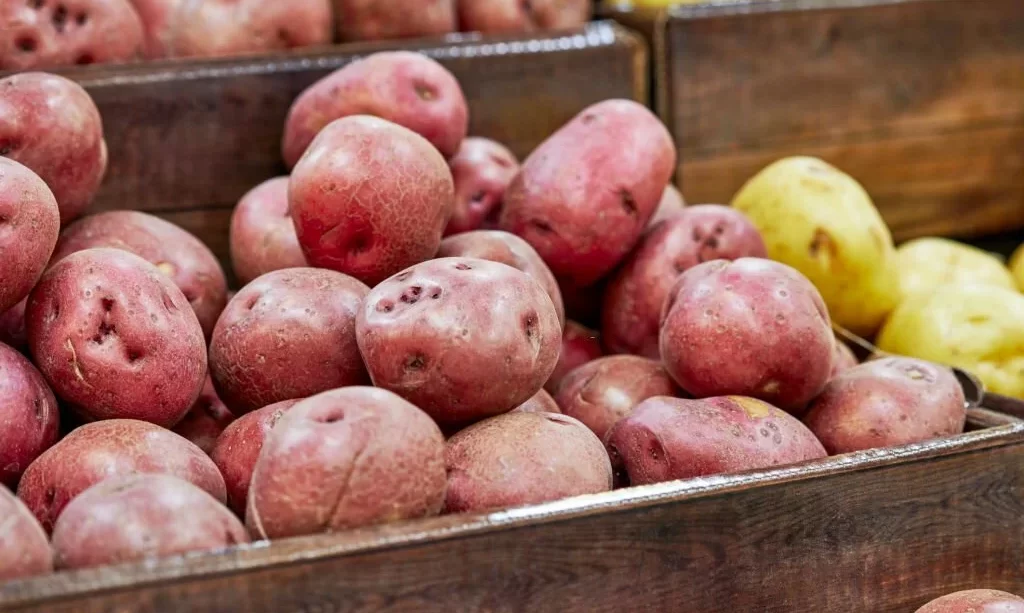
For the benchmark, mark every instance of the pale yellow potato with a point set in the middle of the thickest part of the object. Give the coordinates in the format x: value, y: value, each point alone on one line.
x: 820, y: 221
x: 979, y: 328
x: 1017, y: 267
x: 927, y: 264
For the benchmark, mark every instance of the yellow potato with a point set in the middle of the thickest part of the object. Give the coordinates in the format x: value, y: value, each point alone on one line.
x: 1017, y: 267
x: 820, y: 221
x: 979, y: 328
x: 927, y: 264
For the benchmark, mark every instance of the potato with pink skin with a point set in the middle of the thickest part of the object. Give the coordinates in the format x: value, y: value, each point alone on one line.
x: 370, y: 198
x: 174, y: 251
x: 636, y: 294
x: 343, y: 459
x: 288, y: 334
x: 975, y: 601
x: 206, y: 420
x: 482, y: 171
x: 262, y: 234
x: 602, y: 392
x: 141, y: 517
x: 402, y: 87
x: 29, y: 223
x: 508, y: 249
x: 521, y: 458
x: 29, y: 416
x: 24, y: 548
x: 376, y: 20
x: 238, y: 447
x: 116, y: 339
x: 53, y: 33
x: 751, y: 327
x: 519, y: 16
x: 541, y: 402
x: 887, y: 402
x: 842, y: 359
x: 105, y: 449
x: 579, y: 346
x: 12, y: 327
x: 671, y: 203
x: 585, y: 195
x: 433, y: 333
x: 664, y: 439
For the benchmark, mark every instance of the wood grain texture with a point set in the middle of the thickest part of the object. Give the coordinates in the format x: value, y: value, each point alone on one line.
x: 921, y: 100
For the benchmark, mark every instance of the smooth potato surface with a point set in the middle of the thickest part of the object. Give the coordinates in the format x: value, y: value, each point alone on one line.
x: 29, y: 223
x: 975, y: 601
x: 29, y: 415
x: 927, y: 264
x: 206, y: 420
x: 24, y: 548
x: 376, y: 20
x: 671, y: 202
x: 541, y: 402
x: 262, y: 235
x: 518, y: 16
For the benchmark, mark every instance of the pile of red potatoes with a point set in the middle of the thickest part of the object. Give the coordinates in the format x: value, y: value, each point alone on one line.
x: 407, y: 340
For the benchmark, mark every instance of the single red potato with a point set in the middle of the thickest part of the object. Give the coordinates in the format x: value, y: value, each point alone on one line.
x: 523, y: 458
x: 343, y: 459
x: 52, y: 33
x: 174, y: 251
x: 376, y: 20
x: 461, y: 338
x: 206, y: 420
x: 482, y: 170
x: 584, y: 196
x: 637, y: 292
x: 288, y: 334
x: 541, y: 402
x: 664, y: 439
x: 238, y: 447
x: 402, y: 87
x: 975, y: 601
x: 671, y: 203
x: 752, y: 327
x: 116, y: 338
x: 370, y: 229
x: 52, y: 126
x: 842, y: 359
x: 111, y: 448
x: 141, y: 517
x: 262, y: 234
x: 12, y: 327
x: 29, y: 416
x: 579, y: 346
x: 24, y: 548
x: 887, y: 402
x: 603, y: 391
x: 29, y: 223
x: 519, y: 16
x: 509, y: 249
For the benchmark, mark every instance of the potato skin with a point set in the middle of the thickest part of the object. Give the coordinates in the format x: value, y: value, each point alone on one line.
x: 584, y: 196
x: 521, y: 458
x: 29, y: 223
x: 375, y: 20
x: 141, y: 517
x: 975, y: 601
x: 671, y: 203
x: 750, y: 327
x: 434, y: 332
x: 579, y: 346
x: 105, y: 449
x: 541, y: 402
x: 603, y: 391
x: 482, y: 170
x: 925, y: 264
x: 262, y: 234
x: 509, y: 249
x: 402, y: 87
x: 1016, y: 265
x: 288, y: 334
x: 673, y: 438
x: 370, y: 229
x: 517, y: 16
x: 29, y: 416
x: 12, y: 327
x: 72, y: 158
x: 174, y: 251
x: 24, y: 548
x: 206, y: 420
x: 238, y: 447
x: 634, y: 297
x: 116, y: 338
x: 347, y: 458
x: 843, y: 359
x: 887, y: 402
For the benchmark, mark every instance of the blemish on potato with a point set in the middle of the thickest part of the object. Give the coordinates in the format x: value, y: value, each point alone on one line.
x: 542, y: 226
x: 166, y: 267
x: 463, y: 266
x: 823, y: 248
x: 755, y: 409
x: 385, y: 306
x: 628, y: 202
x: 403, y: 276
x: 60, y: 17
x: 424, y: 91
x: 414, y: 362
x: 770, y: 388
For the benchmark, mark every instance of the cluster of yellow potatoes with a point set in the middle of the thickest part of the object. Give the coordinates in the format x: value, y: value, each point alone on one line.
x: 931, y: 298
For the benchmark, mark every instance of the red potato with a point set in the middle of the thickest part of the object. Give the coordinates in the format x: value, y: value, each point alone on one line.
x: 376, y: 20
x: 671, y: 203
x: 52, y: 33
x: 751, y: 327
x: 116, y: 338
x: 523, y: 458
x: 584, y: 196
x: 461, y: 338
x: 842, y: 359
x: 288, y: 334
x: 181, y: 256
x: 508, y: 249
x: 262, y: 234
x: 29, y: 416
x: 887, y: 402
x: 482, y: 171
x: 12, y: 327
x: 975, y: 601
x: 141, y: 517
x: 24, y: 548
x: 29, y: 223
x: 106, y: 449
x: 238, y: 447
x: 206, y: 420
x: 541, y: 402
x: 633, y: 300
x: 347, y: 458
x: 664, y: 439
x: 602, y: 392
x: 519, y: 16
x: 402, y: 87
x: 370, y: 229
x: 579, y: 346
x: 52, y: 126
